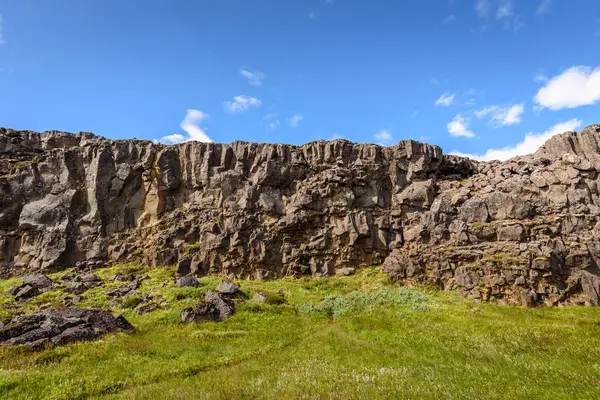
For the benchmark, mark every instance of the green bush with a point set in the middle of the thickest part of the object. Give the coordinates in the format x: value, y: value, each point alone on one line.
x: 132, y: 302
x: 336, y: 305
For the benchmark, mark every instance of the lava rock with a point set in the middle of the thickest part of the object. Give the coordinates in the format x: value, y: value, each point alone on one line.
x: 60, y: 326
x: 147, y: 308
x: 26, y: 292
x: 216, y: 307
x: 187, y: 281
x: 184, y: 267
x: 228, y: 288
x: 38, y: 281
x: 260, y: 298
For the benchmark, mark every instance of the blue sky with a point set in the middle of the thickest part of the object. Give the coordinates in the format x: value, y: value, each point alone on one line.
x: 468, y: 75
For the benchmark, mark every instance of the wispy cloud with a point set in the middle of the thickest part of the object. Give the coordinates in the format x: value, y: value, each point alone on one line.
x: 505, y: 10
x: 313, y: 15
x: 578, y: 86
x: 459, y: 127
x: 2, y: 41
x: 540, y: 78
x: 272, y: 120
x: 191, y: 125
x: 450, y: 18
x: 384, y: 137
x: 505, y: 13
x: 241, y: 103
x: 528, y: 145
x: 445, y: 100
x: 483, y: 8
x: 254, y: 78
x: 544, y: 7
x: 502, y: 115
x: 295, y: 120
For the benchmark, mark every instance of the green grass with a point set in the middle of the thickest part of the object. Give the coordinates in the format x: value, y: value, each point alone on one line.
x: 333, y: 338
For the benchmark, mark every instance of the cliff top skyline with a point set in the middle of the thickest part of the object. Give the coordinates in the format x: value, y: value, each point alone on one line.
x: 481, y: 78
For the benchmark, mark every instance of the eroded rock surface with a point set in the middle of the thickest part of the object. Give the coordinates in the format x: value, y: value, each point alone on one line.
x: 59, y: 326
x: 524, y: 231
x: 216, y: 307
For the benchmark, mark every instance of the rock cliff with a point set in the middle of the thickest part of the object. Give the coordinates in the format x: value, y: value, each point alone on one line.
x: 524, y: 231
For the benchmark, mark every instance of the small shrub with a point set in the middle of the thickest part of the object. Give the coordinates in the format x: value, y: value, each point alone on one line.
x: 336, y: 305
x: 132, y: 302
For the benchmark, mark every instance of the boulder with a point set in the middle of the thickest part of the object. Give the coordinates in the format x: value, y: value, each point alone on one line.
x: 26, y: 292
x: 38, y: 281
x: 216, y: 307
x: 228, y: 288
x: 260, y: 298
x: 59, y: 326
x: 187, y: 281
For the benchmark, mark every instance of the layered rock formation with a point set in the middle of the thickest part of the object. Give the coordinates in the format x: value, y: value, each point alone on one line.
x: 522, y: 231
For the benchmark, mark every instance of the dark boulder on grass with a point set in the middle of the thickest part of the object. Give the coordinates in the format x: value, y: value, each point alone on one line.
x: 38, y: 281
x: 83, y: 282
x: 187, y: 281
x: 26, y: 292
x: 59, y: 326
x: 216, y: 307
x: 228, y: 288
x: 147, y: 308
x: 32, y: 286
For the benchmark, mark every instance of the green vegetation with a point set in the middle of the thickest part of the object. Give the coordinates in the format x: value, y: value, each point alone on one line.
x: 341, y: 338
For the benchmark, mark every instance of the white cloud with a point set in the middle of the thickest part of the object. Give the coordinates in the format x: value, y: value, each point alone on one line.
x: 253, y: 78
x: 459, y: 127
x: 2, y: 41
x: 241, y: 103
x: 295, y: 120
x: 384, y: 138
x: 272, y: 120
x: 483, y: 8
x: 540, y: 78
x: 172, y: 139
x: 578, y: 86
x: 530, y: 143
x: 313, y: 15
x: 445, y: 100
x: 449, y: 18
x: 191, y: 125
x: 544, y: 7
x: 505, y: 10
x: 502, y: 115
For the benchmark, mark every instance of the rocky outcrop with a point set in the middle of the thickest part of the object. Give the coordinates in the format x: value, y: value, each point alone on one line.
x: 59, y: 326
x: 216, y: 307
x: 522, y: 231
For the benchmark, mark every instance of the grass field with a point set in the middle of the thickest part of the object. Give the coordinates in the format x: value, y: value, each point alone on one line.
x: 335, y: 338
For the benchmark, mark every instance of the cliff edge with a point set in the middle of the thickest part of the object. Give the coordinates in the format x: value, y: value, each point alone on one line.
x: 523, y: 231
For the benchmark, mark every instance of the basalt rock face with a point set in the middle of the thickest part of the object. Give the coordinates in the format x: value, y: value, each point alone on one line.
x: 522, y: 231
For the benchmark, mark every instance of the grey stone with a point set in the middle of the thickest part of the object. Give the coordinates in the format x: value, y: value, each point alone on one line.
x: 187, y: 281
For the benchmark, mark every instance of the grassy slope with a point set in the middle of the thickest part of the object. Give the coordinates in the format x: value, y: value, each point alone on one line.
x: 454, y: 349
